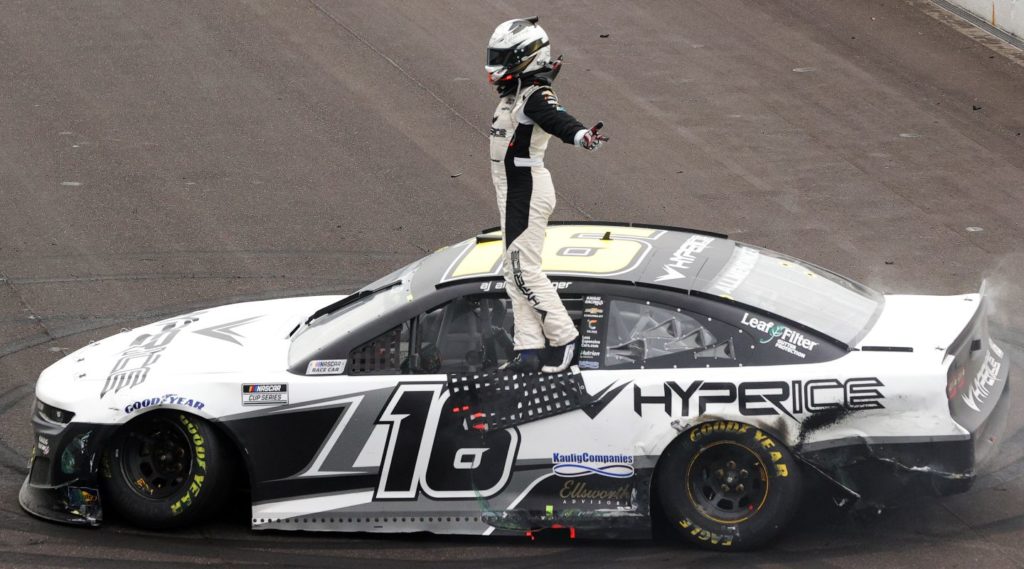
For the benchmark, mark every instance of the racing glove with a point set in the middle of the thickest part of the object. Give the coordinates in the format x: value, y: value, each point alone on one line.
x: 590, y: 139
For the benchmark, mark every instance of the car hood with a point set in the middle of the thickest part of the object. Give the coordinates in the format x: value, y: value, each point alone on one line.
x: 226, y: 339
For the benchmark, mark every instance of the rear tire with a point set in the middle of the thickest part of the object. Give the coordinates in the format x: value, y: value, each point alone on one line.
x: 728, y: 486
x: 166, y: 470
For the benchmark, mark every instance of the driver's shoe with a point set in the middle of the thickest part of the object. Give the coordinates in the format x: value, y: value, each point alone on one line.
x: 526, y: 361
x: 561, y: 357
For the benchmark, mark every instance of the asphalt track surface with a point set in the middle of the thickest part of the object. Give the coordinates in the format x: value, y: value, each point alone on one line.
x: 158, y: 157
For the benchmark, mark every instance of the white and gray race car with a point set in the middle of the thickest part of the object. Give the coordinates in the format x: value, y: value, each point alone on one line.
x: 715, y: 381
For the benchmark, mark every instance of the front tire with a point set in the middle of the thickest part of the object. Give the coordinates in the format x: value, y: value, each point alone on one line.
x: 166, y: 470
x: 726, y: 486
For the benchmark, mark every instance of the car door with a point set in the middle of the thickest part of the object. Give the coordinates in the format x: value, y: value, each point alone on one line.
x: 428, y: 453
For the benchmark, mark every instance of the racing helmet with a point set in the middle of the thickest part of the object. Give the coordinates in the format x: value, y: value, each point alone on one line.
x: 517, y: 49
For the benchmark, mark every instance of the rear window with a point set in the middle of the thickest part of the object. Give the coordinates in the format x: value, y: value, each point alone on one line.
x: 804, y: 293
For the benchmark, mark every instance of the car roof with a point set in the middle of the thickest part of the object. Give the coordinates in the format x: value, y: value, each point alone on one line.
x: 630, y: 253
x: 675, y: 259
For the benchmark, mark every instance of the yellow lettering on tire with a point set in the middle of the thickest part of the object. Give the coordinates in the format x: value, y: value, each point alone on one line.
x: 196, y: 484
x: 702, y: 534
x: 184, y: 502
x: 763, y: 439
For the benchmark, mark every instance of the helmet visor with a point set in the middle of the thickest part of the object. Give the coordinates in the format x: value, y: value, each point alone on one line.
x: 500, y: 56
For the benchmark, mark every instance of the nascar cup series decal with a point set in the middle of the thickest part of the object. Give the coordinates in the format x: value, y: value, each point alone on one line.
x: 265, y: 394
x: 326, y: 367
x: 573, y: 465
x: 785, y: 338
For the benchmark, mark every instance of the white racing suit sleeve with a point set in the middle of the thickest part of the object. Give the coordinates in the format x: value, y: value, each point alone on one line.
x: 526, y: 198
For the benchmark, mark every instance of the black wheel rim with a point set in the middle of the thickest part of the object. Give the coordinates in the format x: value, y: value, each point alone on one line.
x: 156, y: 458
x: 727, y: 482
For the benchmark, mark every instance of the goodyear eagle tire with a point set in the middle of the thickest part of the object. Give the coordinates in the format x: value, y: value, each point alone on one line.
x: 726, y: 485
x: 165, y: 470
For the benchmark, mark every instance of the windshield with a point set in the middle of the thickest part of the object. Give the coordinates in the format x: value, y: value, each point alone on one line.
x: 797, y: 290
x: 328, y: 328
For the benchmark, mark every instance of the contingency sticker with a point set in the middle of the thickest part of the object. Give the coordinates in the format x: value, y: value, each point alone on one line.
x: 590, y: 341
x: 265, y: 394
x: 326, y: 367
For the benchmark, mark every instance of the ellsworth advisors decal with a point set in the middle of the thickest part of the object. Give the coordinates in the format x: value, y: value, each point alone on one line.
x: 264, y: 394
x: 326, y: 367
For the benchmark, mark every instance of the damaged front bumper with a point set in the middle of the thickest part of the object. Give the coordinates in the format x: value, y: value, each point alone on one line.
x: 69, y: 504
x: 62, y: 483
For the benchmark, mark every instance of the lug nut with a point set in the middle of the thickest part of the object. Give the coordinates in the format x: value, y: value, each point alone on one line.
x: 739, y: 488
x: 719, y: 474
x: 730, y: 465
x: 724, y: 488
x: 744, y: 473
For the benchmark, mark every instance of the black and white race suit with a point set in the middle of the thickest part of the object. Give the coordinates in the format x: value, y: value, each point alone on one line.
x: 520, y: 130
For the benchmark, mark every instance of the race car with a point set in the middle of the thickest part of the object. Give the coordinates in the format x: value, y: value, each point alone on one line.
x: 716, y: 382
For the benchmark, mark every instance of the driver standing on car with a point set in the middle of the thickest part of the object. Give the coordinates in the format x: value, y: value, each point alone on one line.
x: 519, y: 65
